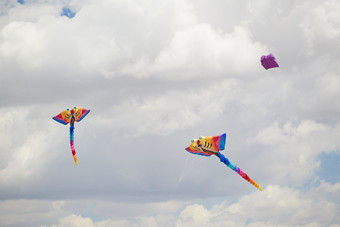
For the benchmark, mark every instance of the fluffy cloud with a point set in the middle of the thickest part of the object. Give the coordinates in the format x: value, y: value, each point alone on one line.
x: 32, y: 43
x: 296, y: 147
x: 275, y: 206
x: 28, y: 143
x: 168, y: 112
x: 199, y: 51
x: 324, y: 25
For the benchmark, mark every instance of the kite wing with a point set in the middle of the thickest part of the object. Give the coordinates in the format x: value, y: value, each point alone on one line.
x: 80, y: 113
x: 269, y: 62
x: 63, y: 117
x: 207, y: 146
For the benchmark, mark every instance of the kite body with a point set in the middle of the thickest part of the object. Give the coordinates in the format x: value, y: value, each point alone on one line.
x: 210, y: 145
x: 70, y: 116
x: 75, y: 114
x: 269, y: 62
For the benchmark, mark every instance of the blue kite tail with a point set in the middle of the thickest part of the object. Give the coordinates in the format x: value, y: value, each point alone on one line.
x: 71, y: 132
x: 223, y: 159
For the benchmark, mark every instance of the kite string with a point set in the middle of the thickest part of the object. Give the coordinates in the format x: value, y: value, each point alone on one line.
x: 191, y: 162
x: 239, y: 171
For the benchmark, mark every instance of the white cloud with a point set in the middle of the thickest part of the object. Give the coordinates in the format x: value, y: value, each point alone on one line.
x: 25, y: 160
x: 202, y: 51
x: 275, y: 206
x: 323, y: 24
x: 194, y: 215
x: 319, y: 101
x: 21, y: 43
x: 105, y: 46
x: 27, y: 142
x: 75, y: 220
x: 295, y: 146
x: 23, y: 212
x: 169, y: 112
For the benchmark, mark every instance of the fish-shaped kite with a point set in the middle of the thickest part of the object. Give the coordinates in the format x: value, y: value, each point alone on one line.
x: 210, y: 145
x: 269, y: 61
x: 70, y: 116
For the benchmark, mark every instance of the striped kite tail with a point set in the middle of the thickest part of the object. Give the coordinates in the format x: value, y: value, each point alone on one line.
x: 72, y: 144
x: 239, y: 171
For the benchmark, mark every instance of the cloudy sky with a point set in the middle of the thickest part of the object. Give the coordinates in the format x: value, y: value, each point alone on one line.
x: 155, y: 74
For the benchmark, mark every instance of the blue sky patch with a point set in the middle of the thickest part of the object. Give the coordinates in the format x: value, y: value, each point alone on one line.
x: 330, y: 167
x: 67, y: 12
x: 21, y: 2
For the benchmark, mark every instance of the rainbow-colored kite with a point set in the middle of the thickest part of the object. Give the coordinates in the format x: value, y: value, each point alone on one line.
x: 70, y: 116
x: 210, y: 145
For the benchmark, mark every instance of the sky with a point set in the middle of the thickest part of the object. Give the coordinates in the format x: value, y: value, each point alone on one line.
x: 155, y: 74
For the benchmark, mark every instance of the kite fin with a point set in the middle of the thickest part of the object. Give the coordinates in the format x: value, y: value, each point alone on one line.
x: 215, y: 143
x: 221, y: 141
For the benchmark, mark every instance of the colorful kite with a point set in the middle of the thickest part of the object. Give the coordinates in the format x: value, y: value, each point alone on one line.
x: 210, y: 145
x: 70, y: 116
x: 269, y: 62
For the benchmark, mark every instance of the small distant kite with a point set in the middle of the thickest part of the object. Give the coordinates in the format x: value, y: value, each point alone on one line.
x: 269, y: 62
x: 210, y: 145
x: 70, y: 116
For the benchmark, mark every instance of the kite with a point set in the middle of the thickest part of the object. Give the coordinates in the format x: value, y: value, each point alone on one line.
x: 210, y: 145
x: 269, y: 62
x: 70, y: 116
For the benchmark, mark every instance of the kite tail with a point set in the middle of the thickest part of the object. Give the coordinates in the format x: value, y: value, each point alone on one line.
x: 72, y: 144
x: 238, y: 170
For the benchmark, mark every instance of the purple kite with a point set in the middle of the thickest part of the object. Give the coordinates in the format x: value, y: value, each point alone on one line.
x: 269, y: 61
